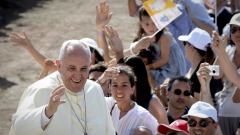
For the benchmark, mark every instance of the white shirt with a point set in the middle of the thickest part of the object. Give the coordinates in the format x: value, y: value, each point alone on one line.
x: 138, y: 116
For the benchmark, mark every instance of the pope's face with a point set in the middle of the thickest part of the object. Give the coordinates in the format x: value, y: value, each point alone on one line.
x: 74, y: 69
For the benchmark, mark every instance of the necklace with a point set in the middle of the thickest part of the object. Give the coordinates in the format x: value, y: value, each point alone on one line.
x: 85, y: 120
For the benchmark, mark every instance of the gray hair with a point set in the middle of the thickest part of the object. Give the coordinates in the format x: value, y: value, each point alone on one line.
x: 74, y: 44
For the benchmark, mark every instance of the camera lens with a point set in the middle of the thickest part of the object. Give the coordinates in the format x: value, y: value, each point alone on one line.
x: 214, y: 71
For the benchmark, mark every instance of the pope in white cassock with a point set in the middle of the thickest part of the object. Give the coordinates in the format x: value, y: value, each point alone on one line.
x: 65, y: 102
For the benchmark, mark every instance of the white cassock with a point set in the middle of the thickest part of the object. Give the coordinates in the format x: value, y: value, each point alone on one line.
x: 27, y: 119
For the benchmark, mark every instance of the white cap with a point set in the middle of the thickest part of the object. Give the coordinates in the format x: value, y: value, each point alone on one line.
x: 235, y: 19
x: 198, y: 38
x: 202, y: 110
x: 91, y: 43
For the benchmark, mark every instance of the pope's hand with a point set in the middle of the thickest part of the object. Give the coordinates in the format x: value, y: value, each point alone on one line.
x: 55, y: 101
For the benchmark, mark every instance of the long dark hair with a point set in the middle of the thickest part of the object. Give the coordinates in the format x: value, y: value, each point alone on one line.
x: 98, y: 57
x: 208, y: 55
x: 143, y: 89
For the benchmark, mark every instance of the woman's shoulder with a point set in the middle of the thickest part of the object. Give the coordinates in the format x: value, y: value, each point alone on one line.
x: 139, y: 110
x: 155, y: 102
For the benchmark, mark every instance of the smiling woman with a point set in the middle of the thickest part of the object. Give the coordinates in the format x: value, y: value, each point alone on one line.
x: 127, y: 114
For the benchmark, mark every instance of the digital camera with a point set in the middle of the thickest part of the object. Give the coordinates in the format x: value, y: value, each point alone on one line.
x: 214, y: 70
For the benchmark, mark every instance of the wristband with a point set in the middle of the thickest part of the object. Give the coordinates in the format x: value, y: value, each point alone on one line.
x: 100, y: 32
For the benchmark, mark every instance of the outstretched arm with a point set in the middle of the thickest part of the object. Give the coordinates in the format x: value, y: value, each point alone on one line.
x: 203, y: 25
x: 132, y: 7
x: 226, y: 65
x: 24, y: 42
x: 115, y: 42
x: 49, y: 66
x: 164, y: 43
x: 135, y: 47
x: 204, y: 79
x: 102, y: 18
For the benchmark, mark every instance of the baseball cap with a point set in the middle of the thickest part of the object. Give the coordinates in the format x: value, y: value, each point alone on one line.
x: 91, y: 43
x: 198, y: 38
x: 202, y: 110
x: 177, y: 125
x: 235, y: 19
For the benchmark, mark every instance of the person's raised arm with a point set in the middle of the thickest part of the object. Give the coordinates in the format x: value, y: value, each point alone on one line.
x: 226, y: 65
x: 115, y: 42
x: 216, y: 40
x: 204, y: 79
x: 203, y: 25
x: 49, y: 66
x: 135, y: 47
x: 164, y: 43
x: 132, y: 7
x: 24, y: 42
x: 102, y: 18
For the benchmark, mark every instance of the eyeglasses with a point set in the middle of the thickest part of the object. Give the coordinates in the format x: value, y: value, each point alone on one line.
x: 203, y: 123
x: 179, y: 92
x: 234, y: 29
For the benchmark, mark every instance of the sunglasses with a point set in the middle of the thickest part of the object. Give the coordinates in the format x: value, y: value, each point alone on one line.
x: 234, y: 29
x: 179, y: 92
x: 203, y: 123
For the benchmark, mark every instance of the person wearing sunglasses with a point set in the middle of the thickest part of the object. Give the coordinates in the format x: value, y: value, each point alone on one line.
x: 178, y: 96
x: 228, y: 113
x: 202, y: 119
x: 178, y: 127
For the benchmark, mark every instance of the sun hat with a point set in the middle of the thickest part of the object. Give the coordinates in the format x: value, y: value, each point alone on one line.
x: 198, y: 38
x: 177, y: 125
x: 91, y: 43
x: 202, y: 110
x: 235, y: 19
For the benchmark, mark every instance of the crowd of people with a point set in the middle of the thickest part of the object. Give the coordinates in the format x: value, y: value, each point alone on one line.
x: 182, y: 81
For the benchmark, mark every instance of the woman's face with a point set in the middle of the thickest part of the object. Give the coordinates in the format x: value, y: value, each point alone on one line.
x: 235, y: 34
x: 188, y: 50
x: 148, y: 25
x: 121, y: 89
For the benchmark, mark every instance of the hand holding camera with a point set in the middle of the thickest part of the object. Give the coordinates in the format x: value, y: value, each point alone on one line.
x: 214, y: 70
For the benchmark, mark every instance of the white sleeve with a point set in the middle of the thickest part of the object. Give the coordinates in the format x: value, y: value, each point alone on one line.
x: 44, y: 119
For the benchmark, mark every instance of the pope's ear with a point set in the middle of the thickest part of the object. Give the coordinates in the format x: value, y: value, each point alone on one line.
x: 58, y: 64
